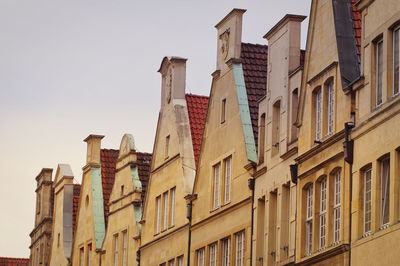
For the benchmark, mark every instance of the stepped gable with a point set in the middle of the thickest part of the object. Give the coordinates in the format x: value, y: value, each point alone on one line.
x: 108, y: 159
x: 356, y: 15
x: 75, y: 203
x: 143, y: 163
x: 254, y: 62
x: 5, y: 261
x: 197, y: 109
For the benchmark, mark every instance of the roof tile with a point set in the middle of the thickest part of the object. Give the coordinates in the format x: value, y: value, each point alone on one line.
x: 108, y: 159
x: 143, y: 163
x: 357, y: 25
x: 5, y: 261
x: 75, y: 203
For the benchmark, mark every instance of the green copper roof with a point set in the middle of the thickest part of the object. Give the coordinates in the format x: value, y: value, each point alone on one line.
x: 98, y: 208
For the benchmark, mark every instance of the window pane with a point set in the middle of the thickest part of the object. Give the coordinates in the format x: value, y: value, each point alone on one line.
x: 367, y: 201
x: 216, y: 186
x: 385, y: 189
x: 200, y: 257
x: 125, y: 246
x: 158, y: 222
x: 239, y: 257
x: 173, y: 191
x: 318, y: 115
x: 116, y: 250
x: 330, y: 108
x: 379, y: 70
x: 396, y: 60
x: 165, y: 210
x: 226, y: 252
x: 213, y: 255
x: 228, y: 163
x: 336, y: 210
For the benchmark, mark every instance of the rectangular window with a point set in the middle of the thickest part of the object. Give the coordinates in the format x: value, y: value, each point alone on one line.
x: 158, y: 218
x: 322, y: 215
x: 216, y: 186
x: 379, y: 71
x: 385, y: 190
x: 165, y: 195
x: 167, y: 146
x: 173, y: 201
x: 200, y: 257
x: 89, y: 258
x: 396, y: 61
x: 318, y: 108
x: 180, y: 260
x: 125, y: 248
x: 336, y: 208
x: 239, y: 256
x: 116, y: 250
x: 226, y: 252
x: 309, y: 217
x: 81, y: 256
x: 367, y: 200
x: 330, y: 108
x: 228, y: 170
x: 223, y: 110
x: 171, y: 263
x: 213, y: 253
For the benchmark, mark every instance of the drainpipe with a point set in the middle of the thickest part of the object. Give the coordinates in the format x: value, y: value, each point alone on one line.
x: 138, y: 257
x: 348, y: 146
x: 189, y: 216
x: 251, y: 184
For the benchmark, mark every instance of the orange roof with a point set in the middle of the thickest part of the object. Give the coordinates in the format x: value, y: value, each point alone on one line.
x: 143, y: 162
x: 357, y: 24
x: 5, y: 261
x: 254, y: 62
x: 197, y: 109
x: 108, y: 159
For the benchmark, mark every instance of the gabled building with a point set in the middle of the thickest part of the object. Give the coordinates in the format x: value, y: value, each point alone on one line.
x: 375, y: 232
x: 222, y: 200
x: 41, y: 234
x: 125, y: 203
x: 164, y: 239
x: 326, y: 104
x: 275, y: 194
x: 66, y: 196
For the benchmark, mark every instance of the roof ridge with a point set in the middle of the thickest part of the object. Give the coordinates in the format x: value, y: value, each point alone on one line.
x: 196, y: 95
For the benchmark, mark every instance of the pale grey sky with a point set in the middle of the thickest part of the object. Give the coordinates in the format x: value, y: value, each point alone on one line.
x: 69, y: 68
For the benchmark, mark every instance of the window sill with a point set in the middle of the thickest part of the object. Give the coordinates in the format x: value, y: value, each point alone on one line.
x: 226, y: 203
x: 215, y: 209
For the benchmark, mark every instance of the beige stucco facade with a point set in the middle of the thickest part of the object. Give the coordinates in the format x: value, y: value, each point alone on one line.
x: 275, y: 194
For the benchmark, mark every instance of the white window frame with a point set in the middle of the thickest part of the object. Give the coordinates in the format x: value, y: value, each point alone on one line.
x: 396, y: 37
x: 239, y: 256
x: 158, y: 220
x: 385, y: 191
x: 116, y: 249
x: 226, y: 252
x: 216, y: 192
x: 318, y: 110
x: 322, y: 214
x: 200, y: 257
x: 367, y: 201
x: 90, y: 254
x: 173, y: 202
x: 166, y: 214
x: 331, y: 101
x: 337, y: 207
x: 309, y: 219
x: 125, y: 248
x: 213, y: 254
x: 228, y: 178
x: 378, y: 69
x: 180, y: 260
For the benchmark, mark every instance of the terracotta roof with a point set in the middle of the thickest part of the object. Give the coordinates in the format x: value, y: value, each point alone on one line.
x: 108, y: 159
x: 144, y: 162
x: 4, y: 261
x: 254, y: 61
x: 357, y: 24
x: 197, y: 109
x: 75, y: 203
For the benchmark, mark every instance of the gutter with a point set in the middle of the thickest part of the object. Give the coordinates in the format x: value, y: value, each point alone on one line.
x: 189, y: 217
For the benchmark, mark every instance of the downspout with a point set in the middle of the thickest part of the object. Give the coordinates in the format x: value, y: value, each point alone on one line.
x: 189, y: 216
x: 348, y: 146
x: 251, y: 184
x: 293, y: 176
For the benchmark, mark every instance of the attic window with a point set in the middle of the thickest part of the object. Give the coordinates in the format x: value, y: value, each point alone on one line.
x: 122, y: 190
x: 223, y: 110
x: 167, y: 147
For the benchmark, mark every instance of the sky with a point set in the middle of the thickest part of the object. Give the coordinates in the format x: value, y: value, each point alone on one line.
x: 70, y: 68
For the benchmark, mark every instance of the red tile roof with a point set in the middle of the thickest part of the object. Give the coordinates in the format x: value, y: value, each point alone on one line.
x: 357, y: 24
x: 4, y: 261
x: 108, y: 159
x: 75, y: 203
x: 197, y: 109
x: 143, y: 163
x: 254, y: 61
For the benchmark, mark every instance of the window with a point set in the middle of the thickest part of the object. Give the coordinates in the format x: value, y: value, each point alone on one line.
x: 172, y: 195
x: 322, y: 215
x: 58, y: 240
x: 227, y: 181
x: 89, y: 255
x: 385, y: 190
x: 180, y: 260
x: 239, y: 256
x: 295, y: 104
x: 213, y: 253
x: 261, y: 139
x: 122, y: 190
x: 167, y: 147
x: 379, y: 71
x: 330, y: 102
x: 367, y: 200
x: 309, y: 217
x: 276, y: 120
x: 158, y: 217
x: 318, y: 114
x: 81, y: 256
x: 171, y: 262
x: 223, y: 110
x: 226, y: 252
x: 216, y: 186
x: 116, y: 250
x: 336, y: 207
x: 396, y: 61
x: 125, y: 248
x: 165, y: 196
x: 200, y: 257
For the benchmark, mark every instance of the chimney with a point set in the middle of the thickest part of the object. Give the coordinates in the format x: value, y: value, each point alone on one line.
x: 229, y: 39
x: 173, y: 81
x: 93, y: 149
